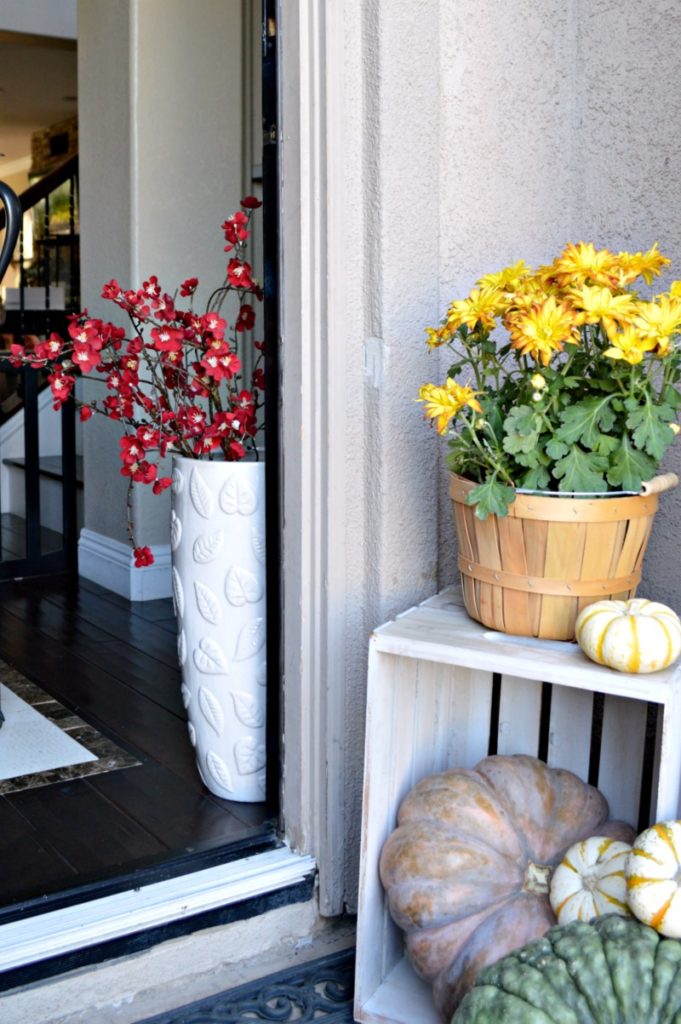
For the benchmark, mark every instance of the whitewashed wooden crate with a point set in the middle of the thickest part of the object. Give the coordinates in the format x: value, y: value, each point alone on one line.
x: 444, y: 692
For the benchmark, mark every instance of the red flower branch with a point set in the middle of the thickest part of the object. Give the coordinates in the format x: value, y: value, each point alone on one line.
x: 175, y: 380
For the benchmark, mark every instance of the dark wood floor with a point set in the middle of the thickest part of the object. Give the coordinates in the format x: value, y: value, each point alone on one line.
x: 114, y: 664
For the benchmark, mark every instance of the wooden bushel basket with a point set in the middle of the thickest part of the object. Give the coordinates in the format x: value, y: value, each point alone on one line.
x: 531, y: 572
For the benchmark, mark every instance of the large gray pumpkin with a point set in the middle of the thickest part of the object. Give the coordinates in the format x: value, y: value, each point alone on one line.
x: 467, y: 869
x: 612, y: 971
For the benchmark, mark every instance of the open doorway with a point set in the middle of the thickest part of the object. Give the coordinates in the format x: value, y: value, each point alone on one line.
x: 120, y: 801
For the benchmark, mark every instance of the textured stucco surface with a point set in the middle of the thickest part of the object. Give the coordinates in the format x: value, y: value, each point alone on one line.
x: 563, y: 132
x: 491, y: 132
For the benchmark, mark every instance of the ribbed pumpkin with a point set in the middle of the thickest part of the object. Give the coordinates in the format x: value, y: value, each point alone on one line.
x: 589, y: 881
x: 613, y: 971
x: 653, y: 875
x: 467, y: 869
x: 630, y: 636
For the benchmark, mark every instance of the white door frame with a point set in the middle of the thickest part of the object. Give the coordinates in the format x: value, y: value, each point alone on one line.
x: 313, y: 429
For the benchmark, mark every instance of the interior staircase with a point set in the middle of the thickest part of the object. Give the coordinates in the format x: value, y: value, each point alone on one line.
x: 40, y: 470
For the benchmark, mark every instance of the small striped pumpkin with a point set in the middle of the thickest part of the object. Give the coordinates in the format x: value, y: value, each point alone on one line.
x: 590, y: 882
x: 653, y: 873
x: 630, y: 636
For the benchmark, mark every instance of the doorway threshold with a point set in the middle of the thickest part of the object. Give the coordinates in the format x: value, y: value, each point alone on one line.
x: 57, y: 940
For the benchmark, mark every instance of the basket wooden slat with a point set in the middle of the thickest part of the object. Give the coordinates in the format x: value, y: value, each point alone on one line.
x: 535, y: 532
x: 513, y: 560
x: 530, y: 573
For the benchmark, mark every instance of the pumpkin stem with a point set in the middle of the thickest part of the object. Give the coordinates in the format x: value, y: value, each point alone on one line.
x: 537, y: 877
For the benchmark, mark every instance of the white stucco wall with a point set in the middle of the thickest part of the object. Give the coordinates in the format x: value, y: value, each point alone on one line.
x: 161, y: 166
x: 562, y: 132
x: 469, y: 135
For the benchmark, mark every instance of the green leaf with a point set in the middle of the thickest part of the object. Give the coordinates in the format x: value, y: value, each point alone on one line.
x: 584, y: 421
x: 607, y: 444
x: 536, y: 479
x: 532, y: 459
x: 521, y: 427
x: 556, y: 449
x: 628, y: 467
x: 492, y: 413
x: 581, y: 471
x: 670, y: 396
x: 651, y: 430
x: 491, y: 498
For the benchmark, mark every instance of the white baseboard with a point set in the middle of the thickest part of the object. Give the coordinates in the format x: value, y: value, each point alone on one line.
x: 111, y: 564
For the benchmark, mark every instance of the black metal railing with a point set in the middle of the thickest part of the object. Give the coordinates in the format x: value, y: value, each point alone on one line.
x: 48, y: 270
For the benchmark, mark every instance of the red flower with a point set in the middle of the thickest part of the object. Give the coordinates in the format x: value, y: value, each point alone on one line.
x: 214, y: 324
x: 111, y: 290
x: 239, y: 274
x: 235, y: 230
x: 85, y: 357
x: 246, y: 319
x: 251, y: 203
x: 259, y: 379
x: 162, y: 483
x: 221, y: 364
x: 142, y: 472
x: 189, y: 286
x: 61, y: 385
x: 167, y: 339
x: 148, y: 437
x: 85, y: 413
x: 143, y: 556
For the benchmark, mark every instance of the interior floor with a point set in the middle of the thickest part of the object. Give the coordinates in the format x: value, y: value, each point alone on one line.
x: 113, y: 664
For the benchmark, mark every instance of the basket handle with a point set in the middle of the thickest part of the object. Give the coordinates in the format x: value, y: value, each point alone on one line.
x: 661, y: 483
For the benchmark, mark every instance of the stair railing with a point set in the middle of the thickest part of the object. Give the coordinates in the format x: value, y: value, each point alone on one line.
x: 23, y: 322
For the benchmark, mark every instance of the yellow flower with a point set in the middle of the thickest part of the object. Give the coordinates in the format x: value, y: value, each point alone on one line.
x: 444, y: 403
x: 630, y: 345
x: 437, y: 337
x: 537, y: 381
x: 584, y: 264
x: 482, y: 305
x: 675, y: 289
x: 508, y: 279
x: 674, y: 427
x: 641, y: 264
x: 660, y: 320
x: 542, y: 329
x: 598, y: 304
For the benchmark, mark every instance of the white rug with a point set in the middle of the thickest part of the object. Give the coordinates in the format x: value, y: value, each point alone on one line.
x: 30, y: 743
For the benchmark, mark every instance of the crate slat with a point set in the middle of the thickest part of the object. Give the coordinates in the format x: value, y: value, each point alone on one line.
x: 429, y: 702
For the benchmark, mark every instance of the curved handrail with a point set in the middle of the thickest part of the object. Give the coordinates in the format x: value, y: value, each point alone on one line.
x: 34, y: 193
x: 12, y: 218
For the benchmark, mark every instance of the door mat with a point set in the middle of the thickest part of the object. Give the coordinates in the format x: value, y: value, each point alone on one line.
x: 79, y: 752
x: 321, y: 990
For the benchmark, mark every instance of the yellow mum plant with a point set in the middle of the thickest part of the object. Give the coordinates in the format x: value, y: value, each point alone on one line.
x: 563, y: 378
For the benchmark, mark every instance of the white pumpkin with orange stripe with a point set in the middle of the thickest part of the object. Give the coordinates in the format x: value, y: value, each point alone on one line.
x: 590, y: 881
x: 653, y: 874
x: 630, y: 636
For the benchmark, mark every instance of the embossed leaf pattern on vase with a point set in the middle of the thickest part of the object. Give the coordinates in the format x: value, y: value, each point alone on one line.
x: 217, y: 543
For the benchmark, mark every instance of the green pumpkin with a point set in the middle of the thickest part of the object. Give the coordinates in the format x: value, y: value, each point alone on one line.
x: 612, y: 971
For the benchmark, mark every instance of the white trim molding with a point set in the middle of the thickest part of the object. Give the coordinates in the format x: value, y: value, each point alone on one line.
x: 359, y: 279
x: 312, y: 385
x: 54, y: 933
x: 111, y: 564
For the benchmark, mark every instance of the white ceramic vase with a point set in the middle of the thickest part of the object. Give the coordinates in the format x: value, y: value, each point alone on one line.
x: 217, y: 537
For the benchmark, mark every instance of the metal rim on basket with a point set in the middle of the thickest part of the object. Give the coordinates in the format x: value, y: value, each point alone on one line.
x: 577, y: 494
